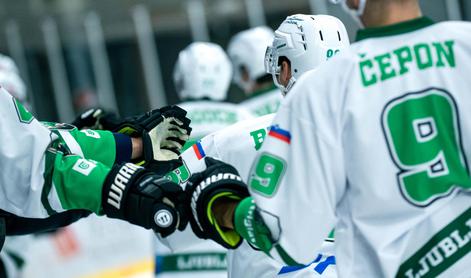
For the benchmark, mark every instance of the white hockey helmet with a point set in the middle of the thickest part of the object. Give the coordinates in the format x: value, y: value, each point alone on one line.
x: 202, y: 70
x: 10, y: 78
x: 306, y: 41
x: 246, y: 50
x: 354, y: 13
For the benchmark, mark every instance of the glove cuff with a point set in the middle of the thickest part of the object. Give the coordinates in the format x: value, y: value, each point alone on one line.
x: 244, y: 209
x: 250, y: 226
x: 204, y: 224
x: 116, y: 188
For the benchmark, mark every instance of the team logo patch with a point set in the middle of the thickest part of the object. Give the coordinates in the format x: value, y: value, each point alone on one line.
x: 280, y: 134
x: 199, y: 152
x: 83, y: 166
x: 163, y: 218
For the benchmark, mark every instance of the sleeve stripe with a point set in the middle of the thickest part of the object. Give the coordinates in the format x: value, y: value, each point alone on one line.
x: 50, y: 157
x: 54, y: 201
x: 71, y: 143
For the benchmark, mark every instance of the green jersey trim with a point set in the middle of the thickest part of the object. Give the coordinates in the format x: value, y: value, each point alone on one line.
x: 445, y: 248
x: 394, y: 29
x: 18, y: 261
x: 50, y: 158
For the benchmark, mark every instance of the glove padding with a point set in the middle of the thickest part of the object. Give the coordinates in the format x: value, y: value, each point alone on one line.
x: 89, y: 119
x: 164, y: 132
x: 218, y: 181
x: 143, y: 198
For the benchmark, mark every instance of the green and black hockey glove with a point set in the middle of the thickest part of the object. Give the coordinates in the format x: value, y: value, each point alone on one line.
x: 141, y: 197
x: 218, y: 182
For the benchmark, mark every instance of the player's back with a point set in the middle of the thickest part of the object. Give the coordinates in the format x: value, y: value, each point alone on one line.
x: 403, y: 121
x: 210, y: 116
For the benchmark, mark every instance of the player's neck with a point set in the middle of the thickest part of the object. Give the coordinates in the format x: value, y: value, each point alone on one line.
x: 390, y: 13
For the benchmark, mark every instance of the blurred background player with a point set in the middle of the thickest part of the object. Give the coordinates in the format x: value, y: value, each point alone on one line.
x: 11, y: 81
x: 246, y: 51
x: 297, y: 47
x: 202, y: 77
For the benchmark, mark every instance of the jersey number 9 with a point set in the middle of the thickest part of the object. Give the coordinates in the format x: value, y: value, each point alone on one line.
x: 423, y: 135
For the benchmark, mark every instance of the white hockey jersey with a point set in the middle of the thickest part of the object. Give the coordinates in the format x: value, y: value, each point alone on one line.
x: 376, y: 143
x: 263, y: 102
x: 237, y: 145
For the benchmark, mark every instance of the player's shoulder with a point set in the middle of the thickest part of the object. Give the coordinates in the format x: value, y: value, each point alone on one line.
x: 460, y: 29
x: 324, y: 82
x: 244, y: 127
x: 452, y: 24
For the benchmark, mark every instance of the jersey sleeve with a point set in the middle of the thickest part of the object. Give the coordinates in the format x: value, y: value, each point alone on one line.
x: 39, y: 177
x: 298, y: 176
x: 98, y: 145
x: 244, y: 114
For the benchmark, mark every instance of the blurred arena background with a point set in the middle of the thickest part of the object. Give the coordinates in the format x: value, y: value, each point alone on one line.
x: 120, y: 54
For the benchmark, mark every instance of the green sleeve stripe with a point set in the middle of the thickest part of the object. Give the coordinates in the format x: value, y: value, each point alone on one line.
x: 285, y: 256
x: 50, y: 157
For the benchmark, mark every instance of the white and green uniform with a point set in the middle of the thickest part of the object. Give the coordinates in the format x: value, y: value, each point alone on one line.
x: 206, y: 117
x: 263, y: 102
x: 209, y: 116
x: 237, y: 145
x: 46, y: 170
x: 380, y: 150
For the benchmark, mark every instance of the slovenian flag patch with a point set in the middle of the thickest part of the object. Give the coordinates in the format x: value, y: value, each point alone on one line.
x: 280, y: 134
x: 199, y: 150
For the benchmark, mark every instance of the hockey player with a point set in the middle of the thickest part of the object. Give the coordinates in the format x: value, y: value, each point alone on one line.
x: 246, y: 50
x: 202, y: 76
x: 378, y: 150
x: 58, y: 169
x: 297, y: 47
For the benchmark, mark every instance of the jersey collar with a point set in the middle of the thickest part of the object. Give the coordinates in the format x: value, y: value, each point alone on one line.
x: 394, y: 29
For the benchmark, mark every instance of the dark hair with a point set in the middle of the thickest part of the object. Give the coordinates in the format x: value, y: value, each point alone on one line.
x: 264, y: 78
x: 282, y: 59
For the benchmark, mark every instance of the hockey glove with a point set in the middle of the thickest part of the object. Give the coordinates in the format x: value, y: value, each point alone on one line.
x: 143, y: 198
x: 219, y: 181
x: 249, y: 224
x: 97, y: 118
x: 89, y: 119
x: 164, y: 132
